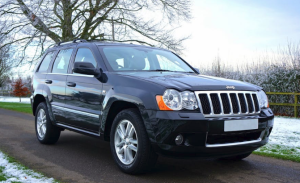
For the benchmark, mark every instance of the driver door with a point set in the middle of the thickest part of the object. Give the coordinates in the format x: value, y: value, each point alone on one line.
x: 84, y: 95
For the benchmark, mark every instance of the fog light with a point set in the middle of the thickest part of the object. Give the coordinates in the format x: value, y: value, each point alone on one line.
x: 179, y: 139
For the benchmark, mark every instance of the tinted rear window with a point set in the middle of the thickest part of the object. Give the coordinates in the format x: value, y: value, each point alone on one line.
x: 62, y: 60
x: 45, y: 63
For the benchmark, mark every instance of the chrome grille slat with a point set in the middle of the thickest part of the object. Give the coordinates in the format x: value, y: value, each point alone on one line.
x: 226, y: 103
x: 211, y: 105
x: 218, y: 98
x: 221, y: 103
x: 242, y: 103
x: 246, y: 101
x: 230, y: 103
x: 239, y: 102
x: 254, y: 110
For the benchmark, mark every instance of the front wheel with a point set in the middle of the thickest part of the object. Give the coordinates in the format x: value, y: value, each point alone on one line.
x: 129, y: 143
x: 46, y: 132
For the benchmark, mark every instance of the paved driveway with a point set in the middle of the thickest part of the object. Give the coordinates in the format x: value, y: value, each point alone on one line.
x: 79, y: 158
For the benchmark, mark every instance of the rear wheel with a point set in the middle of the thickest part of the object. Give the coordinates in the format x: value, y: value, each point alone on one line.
x: 46, y: 132
x: 129, y: 143
x: 237, y: 157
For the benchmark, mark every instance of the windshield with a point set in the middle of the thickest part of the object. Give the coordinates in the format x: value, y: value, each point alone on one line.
x: 143, y: 59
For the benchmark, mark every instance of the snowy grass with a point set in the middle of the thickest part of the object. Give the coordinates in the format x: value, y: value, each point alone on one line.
x: 284, y: 141
x: 15, y: 99
x: 12, y: 172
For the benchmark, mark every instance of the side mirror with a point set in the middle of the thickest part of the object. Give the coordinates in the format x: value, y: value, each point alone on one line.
x: 85, y: 68
x: 197, y: 70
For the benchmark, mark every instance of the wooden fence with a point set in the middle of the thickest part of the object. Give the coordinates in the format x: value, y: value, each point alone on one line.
x: 295, y: 104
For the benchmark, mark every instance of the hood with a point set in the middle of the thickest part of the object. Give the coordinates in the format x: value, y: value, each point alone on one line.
x: 191, y: 81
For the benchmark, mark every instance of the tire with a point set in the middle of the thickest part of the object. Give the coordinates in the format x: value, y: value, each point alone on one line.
x: 237, y: 157
x: 46, y: 132
x: 133, y: 162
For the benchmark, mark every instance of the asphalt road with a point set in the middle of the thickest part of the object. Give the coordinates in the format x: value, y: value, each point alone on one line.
x: 79, y: 158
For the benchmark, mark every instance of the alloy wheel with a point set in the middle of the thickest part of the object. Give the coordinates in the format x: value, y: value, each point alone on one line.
x: 126, y: 142
x: 41, y: 123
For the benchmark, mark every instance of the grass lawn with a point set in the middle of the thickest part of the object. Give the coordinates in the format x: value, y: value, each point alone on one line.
x: 20, y: 107
x: 279, y: 152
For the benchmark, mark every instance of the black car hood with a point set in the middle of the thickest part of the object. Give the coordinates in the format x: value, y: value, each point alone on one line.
x: 190, y: 81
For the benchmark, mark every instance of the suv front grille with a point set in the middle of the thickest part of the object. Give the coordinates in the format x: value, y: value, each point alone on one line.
x: 228, y: 103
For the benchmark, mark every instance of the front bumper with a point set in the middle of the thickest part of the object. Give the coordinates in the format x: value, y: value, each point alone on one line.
x: 204, y: 137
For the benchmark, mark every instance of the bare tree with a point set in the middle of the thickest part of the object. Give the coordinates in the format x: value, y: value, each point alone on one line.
x: 4, y: 62
x: 42, y: 21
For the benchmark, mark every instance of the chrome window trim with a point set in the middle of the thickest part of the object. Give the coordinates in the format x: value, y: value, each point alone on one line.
x: 77, y: 129
x: 231, y: 114
x: 73, y: 75
x: 76, y: 111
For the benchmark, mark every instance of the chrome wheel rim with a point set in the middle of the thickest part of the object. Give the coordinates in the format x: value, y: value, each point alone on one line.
x: 126, y: 142
x: 41, y: 123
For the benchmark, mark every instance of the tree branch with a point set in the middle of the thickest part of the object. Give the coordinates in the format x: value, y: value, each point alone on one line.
x: 37, y: 22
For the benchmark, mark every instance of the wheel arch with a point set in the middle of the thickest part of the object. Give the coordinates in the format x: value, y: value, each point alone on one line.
x: 37, y: 100
x: 115, y: 108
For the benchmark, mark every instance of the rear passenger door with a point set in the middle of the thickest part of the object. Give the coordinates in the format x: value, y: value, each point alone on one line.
x: 84, y: 94
x: 42, y: 70
x: 56, y: 82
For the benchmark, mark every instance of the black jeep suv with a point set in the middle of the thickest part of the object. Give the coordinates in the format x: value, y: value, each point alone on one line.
x: 145, y: 101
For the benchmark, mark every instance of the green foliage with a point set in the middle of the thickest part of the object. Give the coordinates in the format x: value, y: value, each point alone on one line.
x: 2, y: 176
x: 279, y: 156
x: 279, y: 152
x: 271, y: 77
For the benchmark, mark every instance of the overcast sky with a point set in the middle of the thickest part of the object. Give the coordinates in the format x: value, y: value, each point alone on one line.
x: 239, y: 29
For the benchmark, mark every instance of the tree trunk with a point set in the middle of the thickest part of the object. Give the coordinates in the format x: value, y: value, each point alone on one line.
x: 20, y: 99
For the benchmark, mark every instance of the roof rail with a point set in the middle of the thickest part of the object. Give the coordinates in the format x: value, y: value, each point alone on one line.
x: 74, y: 41
x: 81, y: 40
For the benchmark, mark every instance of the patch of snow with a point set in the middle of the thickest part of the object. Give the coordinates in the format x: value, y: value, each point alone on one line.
x: 14, y: 99
x: 17, y: 173
x: 286, y: 131
x: 285, y: 137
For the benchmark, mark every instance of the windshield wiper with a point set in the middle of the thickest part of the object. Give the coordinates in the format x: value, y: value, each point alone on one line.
x: 161, y: 70
x: 190, y: 72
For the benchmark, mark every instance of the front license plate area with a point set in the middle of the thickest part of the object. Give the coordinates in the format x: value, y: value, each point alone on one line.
x: 240, y: 125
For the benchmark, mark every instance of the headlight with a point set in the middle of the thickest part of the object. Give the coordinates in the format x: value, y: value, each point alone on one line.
x: 189, y: 100
x: 262, y: 99
x: 174, y: 100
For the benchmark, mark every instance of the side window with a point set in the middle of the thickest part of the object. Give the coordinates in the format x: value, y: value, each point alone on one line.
x: 45, y: 63
x: 61, y: 62
x: 85, y: 55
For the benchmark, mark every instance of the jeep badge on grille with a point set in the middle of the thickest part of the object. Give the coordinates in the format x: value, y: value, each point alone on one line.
x: 230, y: 87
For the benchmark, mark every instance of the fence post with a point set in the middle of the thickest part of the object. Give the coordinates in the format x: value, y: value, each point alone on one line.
x: 295, y: 106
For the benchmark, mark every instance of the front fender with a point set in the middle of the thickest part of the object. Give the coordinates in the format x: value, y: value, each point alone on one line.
x: 112, y: 96
x: 140, y: 98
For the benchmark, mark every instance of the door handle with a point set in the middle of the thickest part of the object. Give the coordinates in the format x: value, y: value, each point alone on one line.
x: 71, y: 84
x: 48, y: 81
